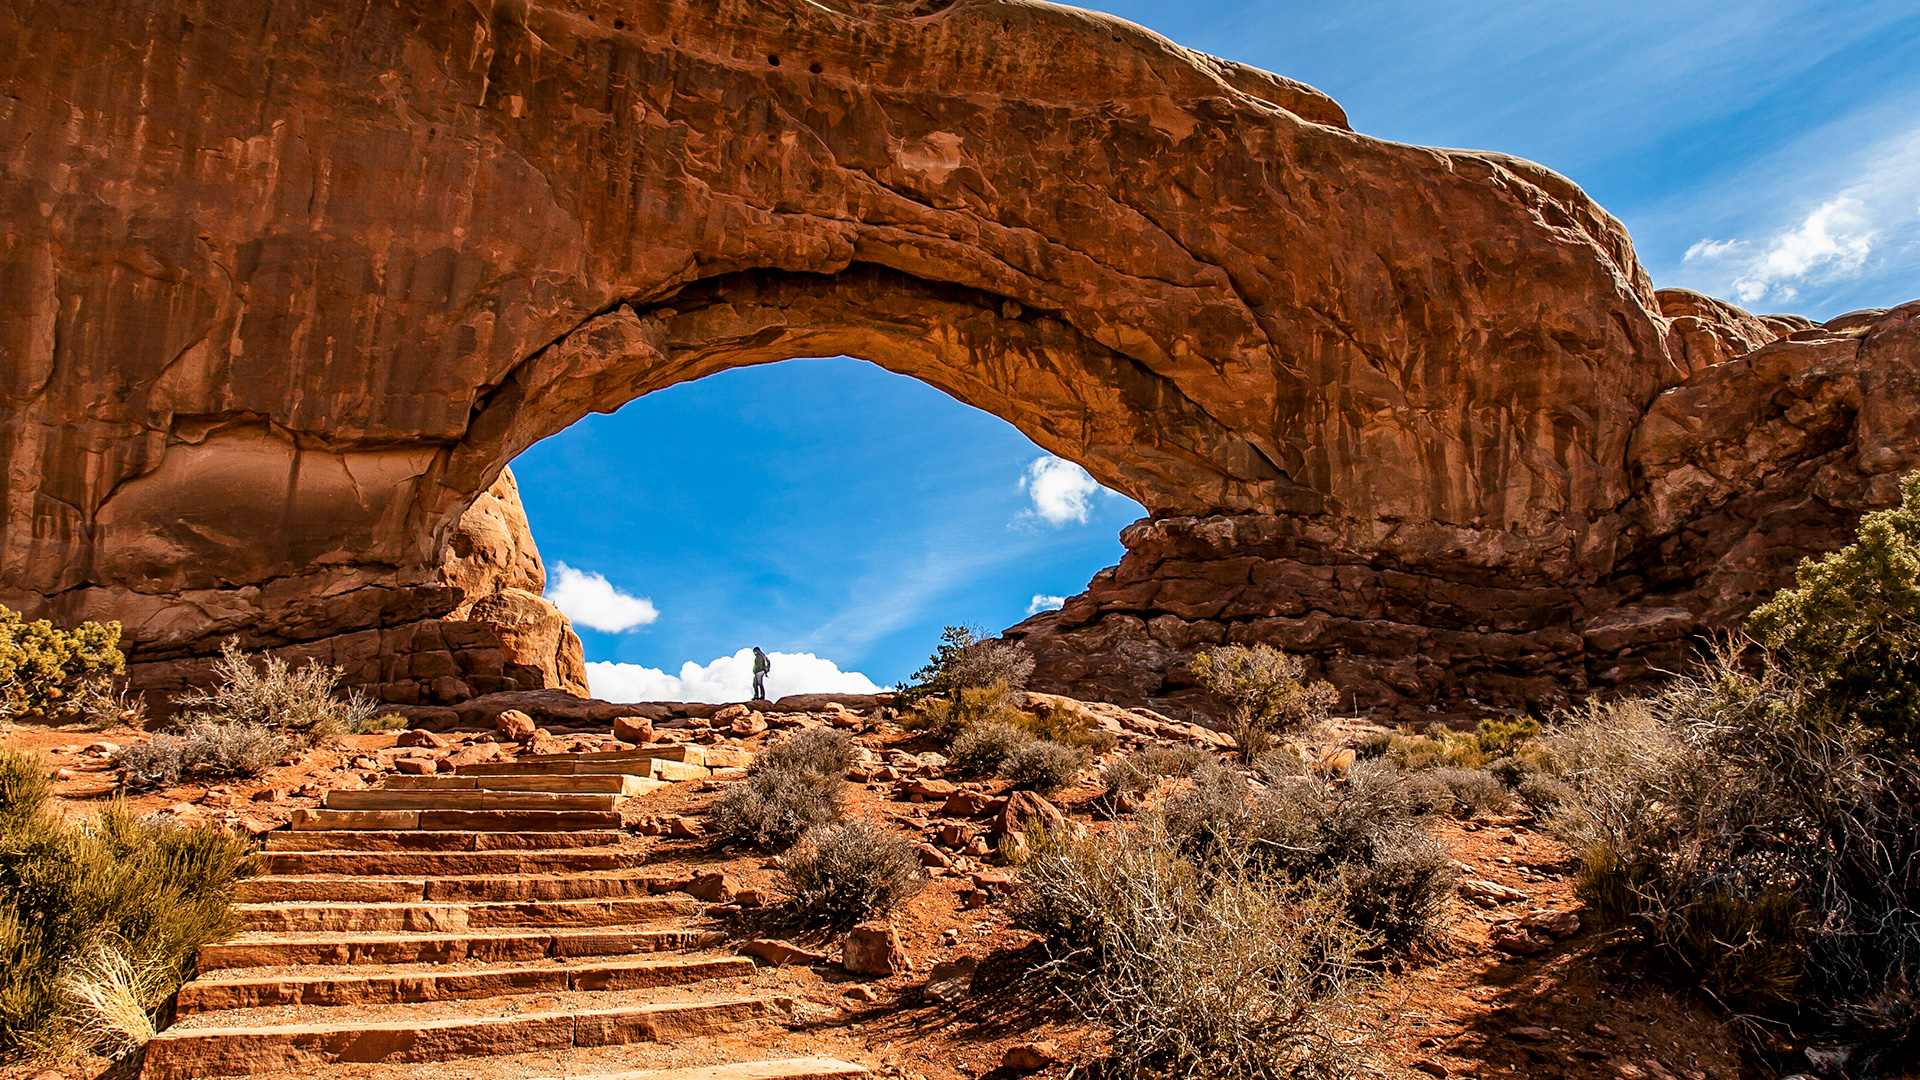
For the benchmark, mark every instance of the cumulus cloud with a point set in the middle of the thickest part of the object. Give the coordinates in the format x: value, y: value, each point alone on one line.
x: 592, y: 601
x: 1873, y: 217
x: 1042, y: 602
x: 1061, y: 491
x: 725, y: 679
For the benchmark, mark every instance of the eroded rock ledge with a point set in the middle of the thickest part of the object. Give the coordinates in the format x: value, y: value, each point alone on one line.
x: 1767, y: 453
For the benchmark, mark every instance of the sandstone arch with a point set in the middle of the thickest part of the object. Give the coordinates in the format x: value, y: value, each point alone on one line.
x: 287, y: 284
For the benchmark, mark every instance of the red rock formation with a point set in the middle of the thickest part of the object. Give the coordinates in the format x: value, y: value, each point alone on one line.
x: 287, y: 285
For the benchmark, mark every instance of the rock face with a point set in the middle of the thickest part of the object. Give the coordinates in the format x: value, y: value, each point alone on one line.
x: 1738, y: 472
x: 286, y: 287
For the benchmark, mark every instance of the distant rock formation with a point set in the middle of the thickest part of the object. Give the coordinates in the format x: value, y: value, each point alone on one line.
x: 286, y: 286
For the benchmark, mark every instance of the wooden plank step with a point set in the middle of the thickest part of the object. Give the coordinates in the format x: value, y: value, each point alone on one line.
x: 455, y: 820
x: 389, y: 799
x: 496, y: 947
x: 450, y: 863
x: 781, y: 1069
x: 332, y: 989
x: 422, y: 840
x: 457, y: 917
x: 192, y: 1053
x: 593, y: 783
x: 402, y: 890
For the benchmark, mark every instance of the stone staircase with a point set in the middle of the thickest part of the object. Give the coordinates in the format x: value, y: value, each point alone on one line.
x: 495, y: 912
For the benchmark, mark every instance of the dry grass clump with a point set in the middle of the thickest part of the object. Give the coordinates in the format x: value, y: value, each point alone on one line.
x: 100, y: 920
x: 839, y: 875
x: 1762, y: 844
x: 793, y: 786
x: 1197, y: 971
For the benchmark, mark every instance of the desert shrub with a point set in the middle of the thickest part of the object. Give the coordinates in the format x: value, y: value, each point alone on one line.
x: 1759, y: 842
x: 203, y: 750
x: 792, y: 787
x: 1043, y: 766
x: 105, y: 701
x: 1373, y: 744
x: 53, y: 673
x: 967, y: 707
x: 1498, y: 735
x: 967, y: 659
x: 1439, y: 747
x: 1137, y: 772
x: 1851, y: 624
x: 841, y: 874
x: 1279, y: 765
x: 821, y: 752
x: 100, y: 920
x: 1474, y: 791
x: 982, y: 749
x: 375, y: 724
x: 1069, y: 727
x: 300, y: 703
x: 1264, y: 692
x: 1427, y: 793
x: 1194, y: 974
x: 1543, y: 793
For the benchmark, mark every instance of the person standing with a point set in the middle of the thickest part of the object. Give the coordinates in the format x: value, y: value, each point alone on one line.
x: 761, y: 665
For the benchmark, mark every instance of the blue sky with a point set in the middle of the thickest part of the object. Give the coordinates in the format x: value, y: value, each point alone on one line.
x: 838, y: 515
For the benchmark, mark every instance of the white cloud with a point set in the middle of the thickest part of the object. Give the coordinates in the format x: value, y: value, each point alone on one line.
x: 726, y: 679
x: 1872, y: 217
x: 1061, y: 491
x: 1042, y: 602
x: 591, y: 600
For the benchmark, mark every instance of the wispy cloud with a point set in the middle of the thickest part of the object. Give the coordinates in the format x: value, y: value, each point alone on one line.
x: 1061, y: 491
x: 1042, y: 602
x: 725, y: 679
x: 1870, y: 224
x: 592, y: 601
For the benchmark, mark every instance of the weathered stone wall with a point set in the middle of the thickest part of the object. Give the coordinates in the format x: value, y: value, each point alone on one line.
x: 1767, y: 454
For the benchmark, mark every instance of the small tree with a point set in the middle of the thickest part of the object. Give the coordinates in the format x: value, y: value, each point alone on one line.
x: 1853, y: 622
x: 968, y: 660
x: 1264, y: 692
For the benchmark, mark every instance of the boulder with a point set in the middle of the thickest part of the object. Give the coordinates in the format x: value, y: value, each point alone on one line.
x: 1029, y: 1056
x: 950, y: 981
x: 516, y: 725
x: 1023, y: 806
x: 633, y: 729
x: 873, y: 948
x: 782, y: 953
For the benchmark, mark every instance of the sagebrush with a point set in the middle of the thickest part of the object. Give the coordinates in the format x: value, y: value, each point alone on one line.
x: 839, y: 875
x: 304, y: 704
x: 1266, y: 692
x: 792, y: 787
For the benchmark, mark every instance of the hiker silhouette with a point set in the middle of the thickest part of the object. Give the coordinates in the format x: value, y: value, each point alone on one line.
x: 761, y: 665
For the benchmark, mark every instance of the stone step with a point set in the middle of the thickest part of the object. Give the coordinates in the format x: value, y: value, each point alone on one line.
x: 385, y: 799
x: 334, y: 989
x: 450, y: 863
x: 402, y: 890
x: 690, y: 753
x: 593, y: 783
x: 193, y: 1053
x: 455, y: 820
x: 420, y: 840
x: 782, y: 1069
x: 453, y: 918
x: 251, y: 950
x: 580, y: 765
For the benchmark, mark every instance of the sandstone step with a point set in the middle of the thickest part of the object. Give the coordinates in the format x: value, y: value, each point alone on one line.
x: 397, y: 890
x: 690, y: 753
x: 259, y: 950
x: 580, y: 765
x: 385, y: 799
x: 450, y: 863
x: 421, y: 840
x: 782, y: 1069
x: 593, y: 783
x: 399, y: 986
x: 192, y: 1053
x: 454, y: 820
x: 453, y: 918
